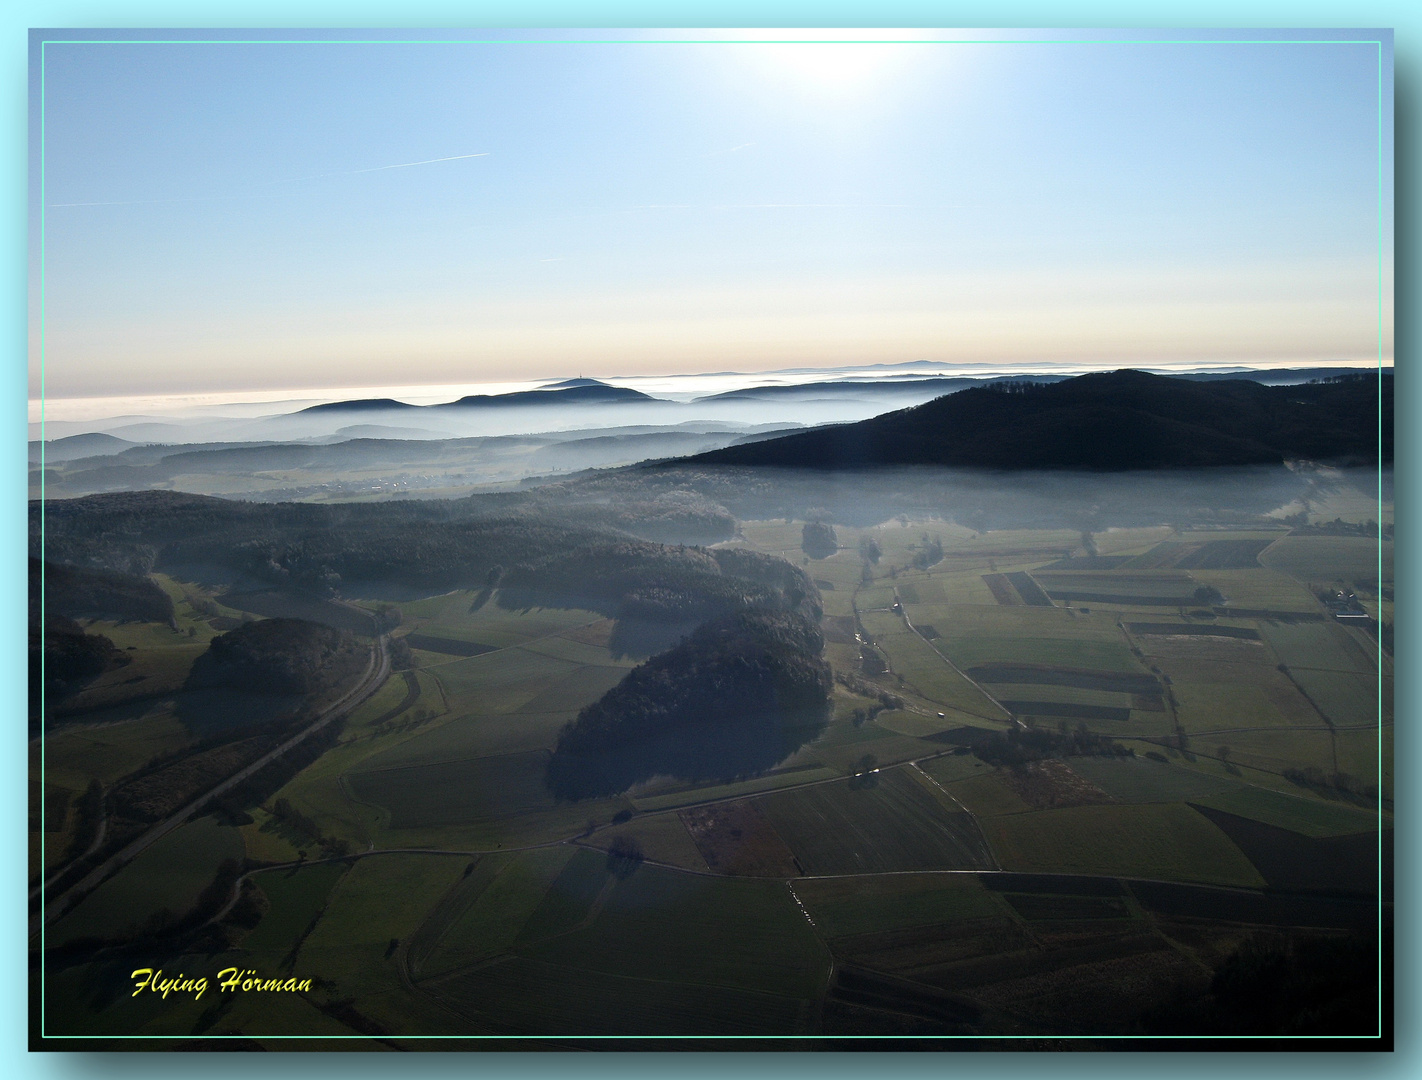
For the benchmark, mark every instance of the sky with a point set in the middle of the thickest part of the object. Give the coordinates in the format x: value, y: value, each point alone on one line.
x: 226, y: 218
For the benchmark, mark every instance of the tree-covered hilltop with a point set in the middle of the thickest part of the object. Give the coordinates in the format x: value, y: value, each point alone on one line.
x: 667, y: 584
x: 279, y: 656
x: 676, y: 516
x: 1121, y: 420
x: 136, y: 532
x: 63, y: 657
x: 419, y: 547
x: 736, y: 697
x: 101, y: 594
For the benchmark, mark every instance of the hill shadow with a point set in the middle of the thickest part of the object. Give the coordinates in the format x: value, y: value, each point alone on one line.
x: 734, y: 751
x: 637, y: 639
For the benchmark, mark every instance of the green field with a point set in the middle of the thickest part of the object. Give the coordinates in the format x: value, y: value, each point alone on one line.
x: 1140, y: 780
x: 382, y: 898
x: 933, y: 678
x: 297, y: 896
x: 1298, y: 813
x: 489, y: 914
x: 1258, y: 590
x: 467, y: 736
x: 74, y: 757
x: 391, y: 694
x: 1352, y: 497
x: 1057, y: 651
x: 662, y: 837
x: 945, y: 587
x: 1220, y: 706
x: 1170, y: 648
x: 916, y: 725
x: 1274, y: 751
x: 153, y: 671
x: 774, y: 537
x: 1139, y: 584
x: 1316, y: 645
x: 1324, y: 559
x: 568, y: 903
x: 883, y: 902
x: 451, y: 616
x: 690, y: 795
x: 900, y: 823
x: 1122, y: 541
x: 1163, y: 840
x: 501, y: 681
x: 664, y: 924
x: 953, y: 767
x: 1358, y: 755
x: 1347, y: 699
x: 166, y: 877
x: 457, y: 792
x: 983, y: 796
x: 518, y: 996
x: 972, y: 636
x: 801, y: 900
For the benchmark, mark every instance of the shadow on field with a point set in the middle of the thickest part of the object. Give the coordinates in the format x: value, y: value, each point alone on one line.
x: 632, y: 637
x: 210, y: 710
x: 637, y: 639
x: 739, y: 749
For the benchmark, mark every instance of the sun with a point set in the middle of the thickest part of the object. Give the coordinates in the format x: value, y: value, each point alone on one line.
x: 836, y: 63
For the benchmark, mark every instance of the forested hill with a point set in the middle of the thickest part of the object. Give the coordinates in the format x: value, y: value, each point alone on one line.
x: 419, y: 547
x: 279, y: 656
x: 738, y: 696
x: 1110, y: 421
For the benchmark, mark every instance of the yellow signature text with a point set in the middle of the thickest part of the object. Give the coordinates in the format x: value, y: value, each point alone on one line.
x: 231, y: 979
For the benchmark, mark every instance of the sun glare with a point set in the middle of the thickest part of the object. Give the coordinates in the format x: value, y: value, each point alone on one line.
x: 831, y: 62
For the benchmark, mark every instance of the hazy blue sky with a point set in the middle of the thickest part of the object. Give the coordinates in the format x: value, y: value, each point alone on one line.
x: 239, y: 216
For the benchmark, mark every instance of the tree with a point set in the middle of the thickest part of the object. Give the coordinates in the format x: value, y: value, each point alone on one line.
x: 818, y: 540
x: 624, y: 855
x: 930, y: 553
x: 864, y: 773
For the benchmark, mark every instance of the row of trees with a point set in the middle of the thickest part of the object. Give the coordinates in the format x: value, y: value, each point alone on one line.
x: 1018, y: 746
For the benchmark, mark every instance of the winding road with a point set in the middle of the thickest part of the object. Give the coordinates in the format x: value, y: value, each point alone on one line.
x: 376, y: 672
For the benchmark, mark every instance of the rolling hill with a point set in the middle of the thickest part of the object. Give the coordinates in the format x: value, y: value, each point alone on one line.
x: 1111, y: 421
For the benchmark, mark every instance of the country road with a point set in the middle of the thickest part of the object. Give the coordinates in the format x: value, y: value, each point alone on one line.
x: 376, y: 672
x: 903, y: 614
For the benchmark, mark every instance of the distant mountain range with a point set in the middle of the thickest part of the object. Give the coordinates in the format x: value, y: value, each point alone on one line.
x: 854, y: 388
x: 583, y: 391
x: 848, y: 396
x: 568, y: 392
x: 1106, y: 421
x: 73, y: 447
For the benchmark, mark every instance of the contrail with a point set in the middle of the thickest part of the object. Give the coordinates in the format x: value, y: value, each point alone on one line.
x: 382, y: 168
x: 154, y: 202
x: 293, y: 180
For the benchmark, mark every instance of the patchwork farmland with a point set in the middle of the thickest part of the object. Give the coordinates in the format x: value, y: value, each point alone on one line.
x: 1044, y: 776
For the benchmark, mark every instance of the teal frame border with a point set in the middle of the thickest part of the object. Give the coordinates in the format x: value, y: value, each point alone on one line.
x: 1135, y: 40
x: 45, y: 42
